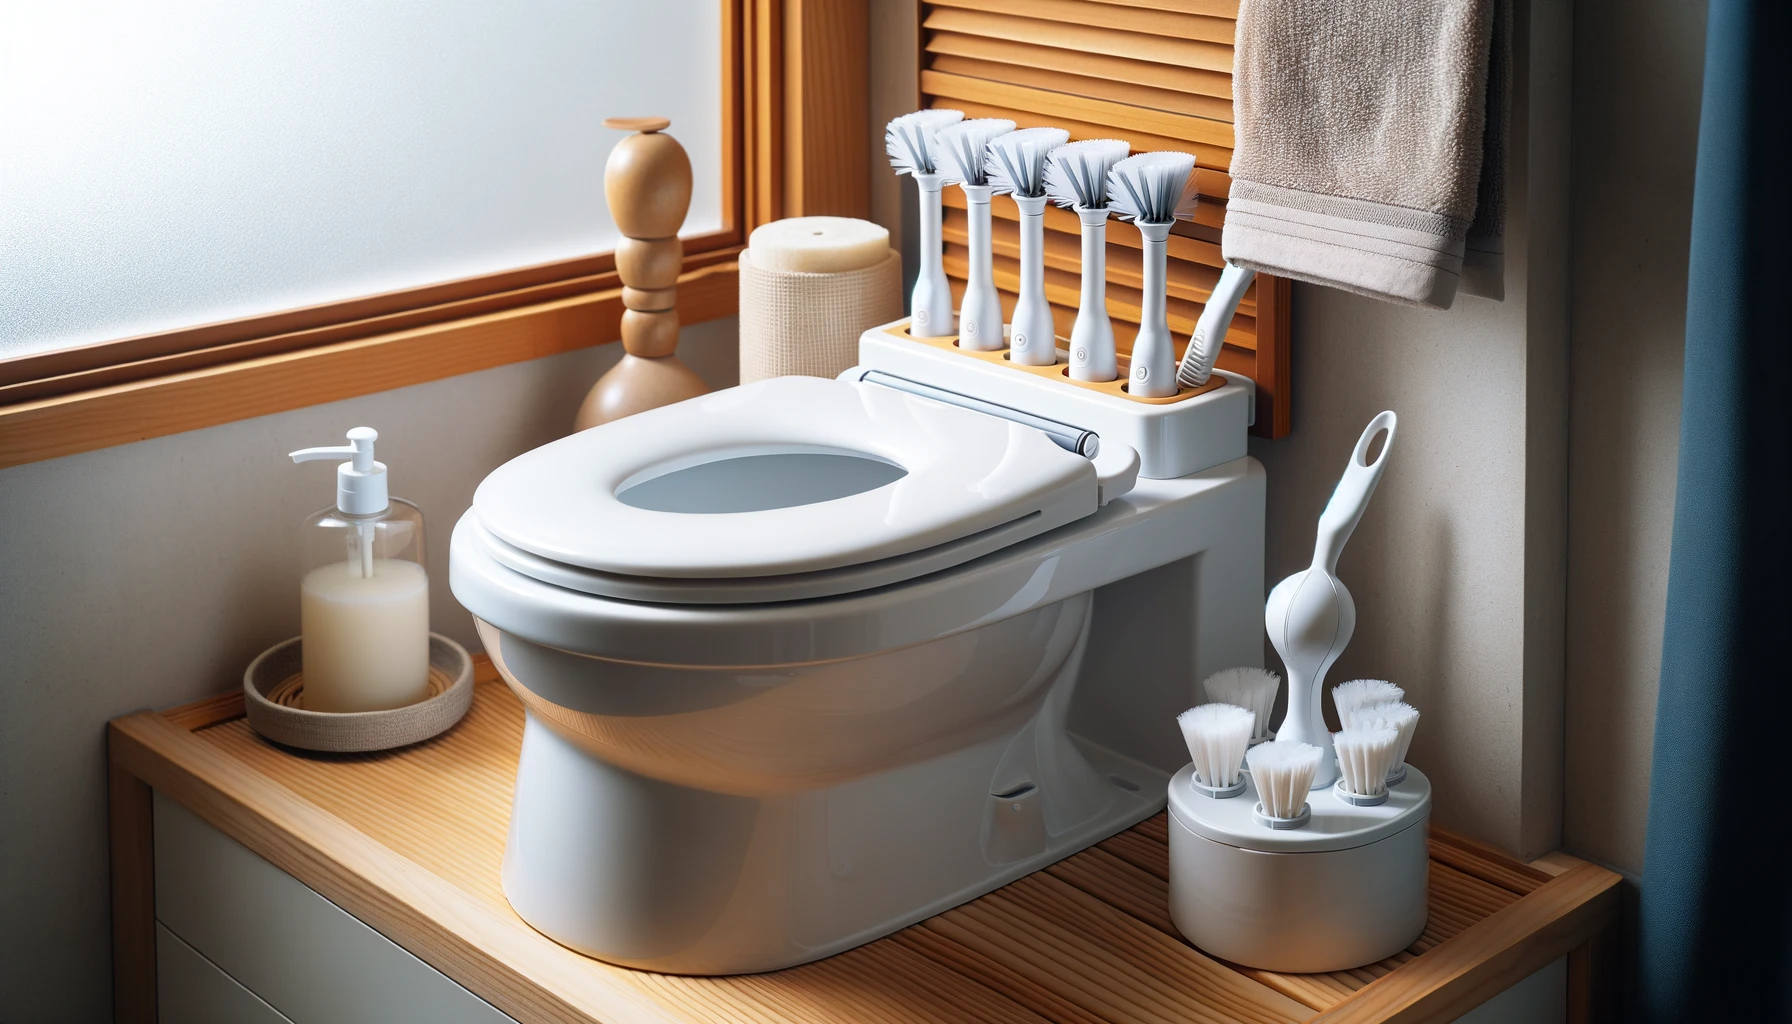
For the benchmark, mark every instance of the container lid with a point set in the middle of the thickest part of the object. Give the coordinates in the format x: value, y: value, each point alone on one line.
x: 1335, y: 825
x: 783, y: 477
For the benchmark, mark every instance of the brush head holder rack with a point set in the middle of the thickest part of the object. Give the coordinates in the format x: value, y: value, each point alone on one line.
x: 1192, y: 430
x: 1345, y: 888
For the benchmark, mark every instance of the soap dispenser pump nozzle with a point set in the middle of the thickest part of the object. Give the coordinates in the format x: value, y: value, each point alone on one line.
x: 360, y: 483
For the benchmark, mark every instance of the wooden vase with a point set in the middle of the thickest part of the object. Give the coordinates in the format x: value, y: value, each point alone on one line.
x: 647, y: 184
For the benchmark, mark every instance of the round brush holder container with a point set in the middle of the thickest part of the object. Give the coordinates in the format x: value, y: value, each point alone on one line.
x: 1346, y: 888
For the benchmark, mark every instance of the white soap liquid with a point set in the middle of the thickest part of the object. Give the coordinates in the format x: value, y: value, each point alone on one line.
x: 366, y: 638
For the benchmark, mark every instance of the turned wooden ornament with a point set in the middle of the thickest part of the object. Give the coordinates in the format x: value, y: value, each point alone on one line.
x: 647, y: 183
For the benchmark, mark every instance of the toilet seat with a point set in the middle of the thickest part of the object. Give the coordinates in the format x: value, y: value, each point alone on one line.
x: 971, y: 484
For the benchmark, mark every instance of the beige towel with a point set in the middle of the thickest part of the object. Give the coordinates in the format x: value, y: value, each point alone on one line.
x: 1361, y: 127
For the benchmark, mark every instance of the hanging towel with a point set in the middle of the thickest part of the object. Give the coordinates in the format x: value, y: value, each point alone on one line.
x: 1361, y: 128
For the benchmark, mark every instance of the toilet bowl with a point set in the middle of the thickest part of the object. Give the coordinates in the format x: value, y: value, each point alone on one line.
x: 800, y: 662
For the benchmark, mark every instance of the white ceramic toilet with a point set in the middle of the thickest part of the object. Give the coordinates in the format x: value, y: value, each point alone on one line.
x: 807, y: 660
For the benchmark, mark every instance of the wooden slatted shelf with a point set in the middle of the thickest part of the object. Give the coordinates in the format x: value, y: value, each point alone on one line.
x: 411, y: 841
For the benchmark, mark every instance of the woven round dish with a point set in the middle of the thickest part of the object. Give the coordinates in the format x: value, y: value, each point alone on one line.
x: 273, y: 696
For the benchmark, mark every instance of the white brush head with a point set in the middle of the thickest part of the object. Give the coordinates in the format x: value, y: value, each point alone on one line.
x: 1401, y: 717
x: 1217, y: 736
x: 1153, y: 188
x: 909, y: 140
x: 1077, y: 174
x: 1017, y: 160
x: 1253, y: 689
x: 1349, y: 697
x: 962, y: 149
x: 1364, y: 758
x: 1283, y: 771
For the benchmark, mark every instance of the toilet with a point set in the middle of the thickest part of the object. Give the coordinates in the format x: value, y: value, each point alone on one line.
x: 806, y: 661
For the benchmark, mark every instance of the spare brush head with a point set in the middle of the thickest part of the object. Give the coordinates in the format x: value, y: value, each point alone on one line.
x: 961, y: 150
x: 1253, y: 689
x: 1364, y: 757
x: 1217, y: 737
x: 909, y: 140
x: 1401, y: 717
x: 1153, y: 188
x: 1076, y: 175
x: 1283, y: 771
x: 1017, y: 160
x: 1349, y: 697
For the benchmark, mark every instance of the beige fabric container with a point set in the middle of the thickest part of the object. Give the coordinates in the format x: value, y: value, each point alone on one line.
x: 799, y: 323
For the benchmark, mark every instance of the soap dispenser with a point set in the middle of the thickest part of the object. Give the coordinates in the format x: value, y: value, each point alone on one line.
x: 364, y: 595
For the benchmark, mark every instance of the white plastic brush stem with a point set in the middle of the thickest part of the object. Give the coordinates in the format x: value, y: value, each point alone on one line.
x: 1033, y: 339
x: 1351, y: 497
x: 1210, y: 330
x: 930, y: 305
x: 1092, y: 336
x: 980, y: 315
x: 1153, y: 373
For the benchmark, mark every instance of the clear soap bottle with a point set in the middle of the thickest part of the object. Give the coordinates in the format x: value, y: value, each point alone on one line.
x: 364, y: 595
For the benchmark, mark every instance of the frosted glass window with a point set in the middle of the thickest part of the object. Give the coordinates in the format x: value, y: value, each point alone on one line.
x: 187, y: 161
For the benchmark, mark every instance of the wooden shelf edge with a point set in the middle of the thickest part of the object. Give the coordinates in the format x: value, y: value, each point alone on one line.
x: 428, y: 917
x: 48, y: 428
x: 1555, y: 920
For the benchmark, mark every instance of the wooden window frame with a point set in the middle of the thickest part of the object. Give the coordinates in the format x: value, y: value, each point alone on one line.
x: 793, y: 100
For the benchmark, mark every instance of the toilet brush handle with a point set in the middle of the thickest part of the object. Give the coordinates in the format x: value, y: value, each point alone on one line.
x: 1351, y: 497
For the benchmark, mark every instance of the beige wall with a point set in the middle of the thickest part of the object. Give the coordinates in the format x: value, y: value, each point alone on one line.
x: 1638, y: 67
x: 149, y: 574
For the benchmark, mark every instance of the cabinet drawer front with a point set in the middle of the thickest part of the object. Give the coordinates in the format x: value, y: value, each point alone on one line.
x: 191, y: 990
x: 306, y: 957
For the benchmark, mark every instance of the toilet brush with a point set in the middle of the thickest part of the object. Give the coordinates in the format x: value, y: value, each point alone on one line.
x: 1153, y: 190
x: 1364, y: 757
x: 1310, y: 616
x: 1217, y: 736
x: 1402, y: 718
x: 909, y: 140
x: 1283, y: 771
x: 1076, y: 177
x: 963, y: 151
x: 1354, y: 695
x: 1253, y: 689
x: 1017, y: 168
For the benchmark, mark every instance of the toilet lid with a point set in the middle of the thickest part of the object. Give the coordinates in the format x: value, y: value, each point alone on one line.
x: 785, y: 488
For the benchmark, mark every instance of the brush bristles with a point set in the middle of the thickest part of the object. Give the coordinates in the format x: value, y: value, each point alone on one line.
x: 1016, y: 164
x: 1077, y: 174
x: 1253, y: 689
x: 1217, y: 736
x: 1401, y: 717
x: 961, y: 150
x: 1364, y: 758
x: 1356, y: 694
x: 1153, y: 188
x: 909, y: 139
x: 1283, y: 771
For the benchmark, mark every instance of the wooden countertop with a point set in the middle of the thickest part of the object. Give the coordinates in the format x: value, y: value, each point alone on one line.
x: 410, y: 842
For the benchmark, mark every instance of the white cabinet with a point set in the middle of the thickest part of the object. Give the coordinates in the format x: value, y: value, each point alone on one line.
x: 250, y: 943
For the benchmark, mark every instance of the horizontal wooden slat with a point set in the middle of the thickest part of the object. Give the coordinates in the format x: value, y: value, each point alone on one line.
x: 1214, y: 8
x: 1176, y: 23
x: 1183, y: 246
x: 1183, y: 53
x: 1121, y: 116
x: 1144, y: 96
x: 1083, y: 65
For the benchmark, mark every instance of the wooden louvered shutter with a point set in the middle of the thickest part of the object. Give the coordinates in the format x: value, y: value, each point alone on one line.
x: 1155, y: 73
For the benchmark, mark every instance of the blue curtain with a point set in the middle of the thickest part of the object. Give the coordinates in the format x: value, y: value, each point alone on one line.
x: 1715, y: 939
